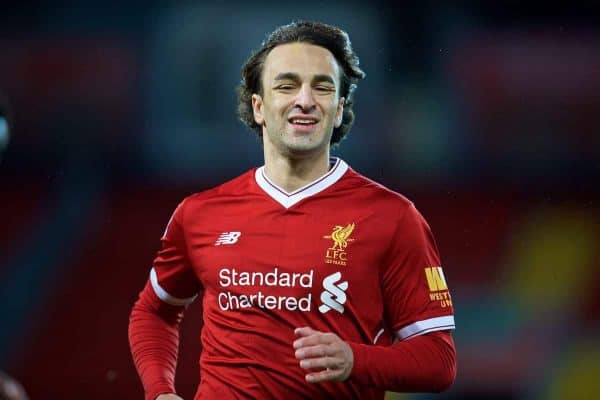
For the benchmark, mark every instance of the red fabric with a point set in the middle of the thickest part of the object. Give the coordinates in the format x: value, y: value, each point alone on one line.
x: 265, y: 266
x: 154, y: 341
x: 424, y: 363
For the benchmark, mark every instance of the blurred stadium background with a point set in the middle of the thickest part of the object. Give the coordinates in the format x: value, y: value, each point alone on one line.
x: 486, y: 116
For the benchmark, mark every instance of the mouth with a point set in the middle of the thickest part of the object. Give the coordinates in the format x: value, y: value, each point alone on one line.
x: 303, y: 123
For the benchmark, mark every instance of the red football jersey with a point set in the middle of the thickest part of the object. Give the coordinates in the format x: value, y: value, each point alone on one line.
x: 342, y: 254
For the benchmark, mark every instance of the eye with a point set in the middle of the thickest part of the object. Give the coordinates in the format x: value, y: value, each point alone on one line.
x: 324, y: 89
x: 285, y: 86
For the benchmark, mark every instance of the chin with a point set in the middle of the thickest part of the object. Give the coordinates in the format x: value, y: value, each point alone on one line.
x: 304, y: 144
x: 295, y: 144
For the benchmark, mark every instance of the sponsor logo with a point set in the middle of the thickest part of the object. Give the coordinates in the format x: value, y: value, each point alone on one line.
x: 259, y: 285
x: 241, y: 289
x: 228, y: 238
x: 334, y: 295
x: 340, y: 236
x: 437, y: 286
x: 436, y: 279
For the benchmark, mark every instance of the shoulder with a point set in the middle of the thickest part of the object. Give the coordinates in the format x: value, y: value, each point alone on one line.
x: 232, y: 189
x: 389, y: 205
x: 375, y: 192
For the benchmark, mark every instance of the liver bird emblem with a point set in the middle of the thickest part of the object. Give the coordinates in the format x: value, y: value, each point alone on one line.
x: 341, y: 236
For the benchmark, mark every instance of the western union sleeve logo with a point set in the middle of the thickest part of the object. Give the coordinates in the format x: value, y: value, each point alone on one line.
x: 435, y: 279
x: 438, y: 287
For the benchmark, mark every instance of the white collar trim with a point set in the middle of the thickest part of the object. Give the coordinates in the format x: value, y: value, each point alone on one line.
x: 289, y: 199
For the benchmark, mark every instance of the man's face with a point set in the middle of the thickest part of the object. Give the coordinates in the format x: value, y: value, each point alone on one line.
x: 300, y: 104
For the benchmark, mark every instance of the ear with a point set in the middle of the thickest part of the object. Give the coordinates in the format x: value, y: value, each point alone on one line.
x: 257, y: 109
x: 339, y: 113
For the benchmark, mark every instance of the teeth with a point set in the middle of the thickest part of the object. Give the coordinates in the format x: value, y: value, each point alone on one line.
x: 303, y: 121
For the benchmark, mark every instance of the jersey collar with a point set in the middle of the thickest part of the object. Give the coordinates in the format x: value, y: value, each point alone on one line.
x: 286, y: 199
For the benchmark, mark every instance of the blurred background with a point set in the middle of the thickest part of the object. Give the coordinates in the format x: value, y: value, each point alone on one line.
x: 486, y: 116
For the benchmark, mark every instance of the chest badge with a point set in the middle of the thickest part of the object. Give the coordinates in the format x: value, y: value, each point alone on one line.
x: 336, y: 254
x: 228, y: 238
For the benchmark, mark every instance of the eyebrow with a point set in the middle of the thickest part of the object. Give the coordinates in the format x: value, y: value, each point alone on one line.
x: 290, y: 76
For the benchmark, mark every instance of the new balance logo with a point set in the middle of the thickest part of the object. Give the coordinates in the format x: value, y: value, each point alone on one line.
x: 228, y: 238
x: 334, y: 295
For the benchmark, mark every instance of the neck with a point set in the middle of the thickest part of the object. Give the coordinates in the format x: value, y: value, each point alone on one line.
x: 292, y: 173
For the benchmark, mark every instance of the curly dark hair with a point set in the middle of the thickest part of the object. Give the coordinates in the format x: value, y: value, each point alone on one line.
x: 317, y: 33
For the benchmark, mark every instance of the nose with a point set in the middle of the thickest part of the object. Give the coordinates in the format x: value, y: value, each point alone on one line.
x: 305, y: 99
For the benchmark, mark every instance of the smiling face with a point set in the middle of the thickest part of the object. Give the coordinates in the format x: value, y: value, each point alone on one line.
x: 300, y: 104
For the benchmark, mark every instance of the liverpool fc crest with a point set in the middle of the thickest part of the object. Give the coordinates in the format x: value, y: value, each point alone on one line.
x: 336, y: 254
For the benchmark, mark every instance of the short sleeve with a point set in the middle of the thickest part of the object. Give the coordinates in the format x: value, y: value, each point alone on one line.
x: 172, y: 277
x: 416, y: 295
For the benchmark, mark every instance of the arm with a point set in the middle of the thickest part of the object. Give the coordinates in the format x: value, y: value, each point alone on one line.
x: 154, y: 342
x: 426, y: 363
x: 155, y: 318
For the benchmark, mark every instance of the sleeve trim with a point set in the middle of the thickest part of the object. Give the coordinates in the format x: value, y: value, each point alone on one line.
x: 165, y: 296
x: 428, y: 325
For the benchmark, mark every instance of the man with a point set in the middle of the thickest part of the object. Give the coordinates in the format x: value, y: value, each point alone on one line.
x: 5, y: 124
x: 307, y: 270
x: 10, y: 389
